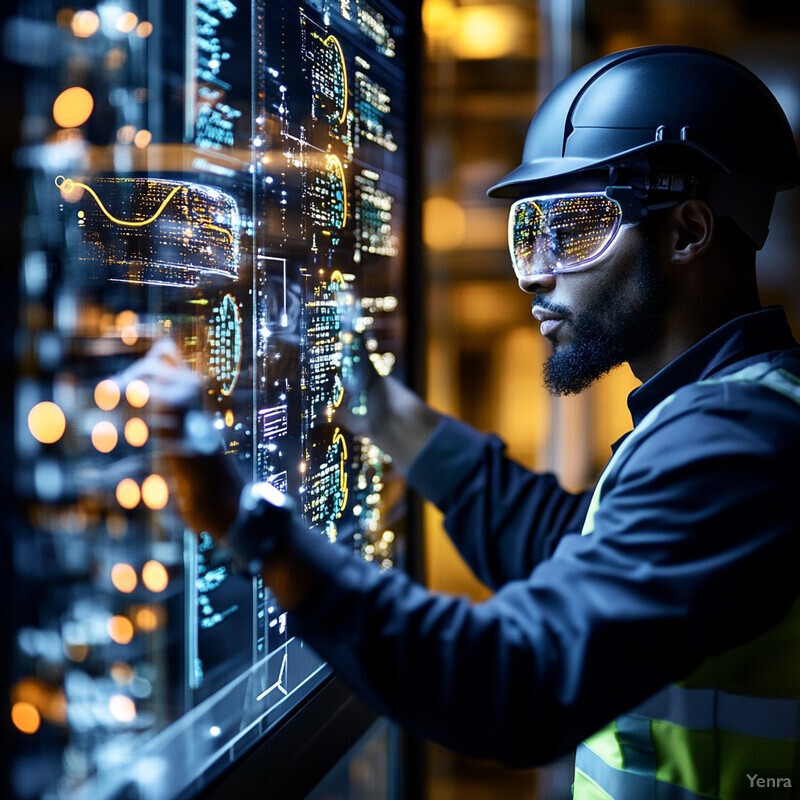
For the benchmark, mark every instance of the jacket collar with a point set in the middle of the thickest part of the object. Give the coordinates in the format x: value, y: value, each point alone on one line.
x: 743, y: 338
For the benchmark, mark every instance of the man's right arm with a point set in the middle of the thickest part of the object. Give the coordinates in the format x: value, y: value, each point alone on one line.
x: 503, y: 518
x: 395, y: 418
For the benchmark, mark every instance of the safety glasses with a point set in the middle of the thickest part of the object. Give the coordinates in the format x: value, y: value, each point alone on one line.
x: 562, y: 232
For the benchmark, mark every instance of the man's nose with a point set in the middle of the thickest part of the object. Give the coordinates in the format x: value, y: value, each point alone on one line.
x: 541, y: 283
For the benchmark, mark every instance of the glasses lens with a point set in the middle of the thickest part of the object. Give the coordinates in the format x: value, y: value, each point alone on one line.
x: 560, y: 233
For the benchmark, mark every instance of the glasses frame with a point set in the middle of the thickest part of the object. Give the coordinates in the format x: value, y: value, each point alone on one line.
x: 632, y: 206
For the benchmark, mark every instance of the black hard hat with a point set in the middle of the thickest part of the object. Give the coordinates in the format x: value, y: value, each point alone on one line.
x: 636, y: 104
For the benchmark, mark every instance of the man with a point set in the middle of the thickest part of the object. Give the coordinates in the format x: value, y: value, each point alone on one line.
x: 667, y: 637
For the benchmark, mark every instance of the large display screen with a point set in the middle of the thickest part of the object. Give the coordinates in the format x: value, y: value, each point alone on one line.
x: 231, y: 175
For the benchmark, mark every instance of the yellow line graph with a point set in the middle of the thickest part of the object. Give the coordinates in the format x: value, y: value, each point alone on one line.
x: 334, y: 164
x: 67, y: 186
x: 327, y: 43
x: 341, y: 442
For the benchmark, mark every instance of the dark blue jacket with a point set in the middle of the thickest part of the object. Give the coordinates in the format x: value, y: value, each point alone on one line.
x: 695, y: 549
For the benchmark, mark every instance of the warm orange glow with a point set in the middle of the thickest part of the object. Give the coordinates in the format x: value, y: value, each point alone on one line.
x: 26, y: 717
x: 127, y: 317
x: 155, y: 576
x: 137, y: 393
x: 76, y: 651
x: 155, y: 492
x: 121, y: 672
x: 104, y: 437
x: 120, y: 629
x: 142, y: 139
x: 444, y: 223
x: 85, y: 24
x: 136, y: 432
x: 115, y: 58
x: 487, y: 31
x: 106, y: 395
x: 125, y: 134
x: 64, y: 17
x: 122, y: 708
x: 144, y: 29
x: 129, y: 335
x: 73, y: 107
x: 48, y: 701
x: 123, y: 576
x: 127, y: 22
x: 229, y: 418
x: 47, y: 423
x: 128, y: 493
x: 147, y: 618
x: 72, y: 195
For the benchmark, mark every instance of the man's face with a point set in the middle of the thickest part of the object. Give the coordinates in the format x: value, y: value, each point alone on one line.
x: 612, y: 313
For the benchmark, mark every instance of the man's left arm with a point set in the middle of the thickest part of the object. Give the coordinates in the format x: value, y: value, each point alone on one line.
x: 694, y: 551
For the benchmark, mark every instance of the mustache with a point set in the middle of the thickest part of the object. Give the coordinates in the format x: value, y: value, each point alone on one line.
x: 548, y: 305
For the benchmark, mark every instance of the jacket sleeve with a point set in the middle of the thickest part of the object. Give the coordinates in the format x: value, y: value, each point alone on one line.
x: 503, y: 518
x: 694, y: 550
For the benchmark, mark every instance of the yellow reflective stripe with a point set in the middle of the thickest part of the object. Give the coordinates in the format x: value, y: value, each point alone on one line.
x: 584, y: 788
x: 607, y: 746
x: 763, y: 373
x: 597, y: 495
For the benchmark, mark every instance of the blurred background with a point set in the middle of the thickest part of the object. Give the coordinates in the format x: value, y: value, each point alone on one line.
x: 487, y: 66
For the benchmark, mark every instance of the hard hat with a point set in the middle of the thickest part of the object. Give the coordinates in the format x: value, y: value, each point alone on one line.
x: 630, y: 107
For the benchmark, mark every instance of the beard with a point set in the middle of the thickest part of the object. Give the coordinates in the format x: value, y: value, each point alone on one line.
x: 619, y: 325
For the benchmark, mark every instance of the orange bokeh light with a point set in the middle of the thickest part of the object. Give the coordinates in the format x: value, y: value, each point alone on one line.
x: 73, y: 107
x: 120, y: 629
x: 121, y: 672
x: 107, y: 395
x: 123, y: 576
x: 142, y: 139
x: 136, y: 432
x: 127, y: 317
x: 126, y: 22
x: 128, y: 493
x: 155, y: 576
x: 26, y: 717
x: 122, y: 708
x: 155, y: 492
x: 137, y: 393
x: 47, y: 423
x: 147, y: 618
x: 104, y: 437
x: 85, y: 24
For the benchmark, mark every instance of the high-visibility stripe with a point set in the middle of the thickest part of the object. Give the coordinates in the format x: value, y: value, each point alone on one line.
x: 621, y: 783
x: 702, y: 709
x: 588, y: 523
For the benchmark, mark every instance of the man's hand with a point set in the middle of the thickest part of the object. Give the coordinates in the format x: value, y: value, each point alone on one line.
x: 393, y: 417
x: 380, y: 409
x: 205, y: 484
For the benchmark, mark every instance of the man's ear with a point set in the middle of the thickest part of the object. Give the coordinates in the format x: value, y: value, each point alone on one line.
x: 691, y: 229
